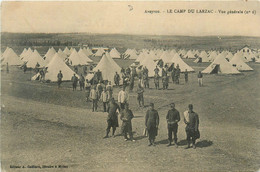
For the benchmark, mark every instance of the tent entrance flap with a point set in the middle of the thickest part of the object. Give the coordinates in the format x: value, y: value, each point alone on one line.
x: 215, y: 69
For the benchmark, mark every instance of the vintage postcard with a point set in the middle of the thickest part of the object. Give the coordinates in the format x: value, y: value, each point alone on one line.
x: 130, y: 86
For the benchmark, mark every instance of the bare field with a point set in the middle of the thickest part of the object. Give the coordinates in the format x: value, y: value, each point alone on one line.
x: 44, y: 125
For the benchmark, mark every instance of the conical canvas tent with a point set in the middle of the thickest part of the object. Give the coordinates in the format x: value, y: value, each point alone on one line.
x: 107, y: 68
x: 62, y: 54
x: 114, y: 53
x: 50, y: 53
x: 11, y: 58
x: 189, y: 55
x: 87, y: 51
x: 150, y: 65
x: 182, y: 65
x: 67, y: 51
x: 6, y: 51
x: 84, y: 56
x: 213, y: 56
x: 141, y: 57
x: 100, y: 52
x: 34, y: 59
x: 203, y: 57
x: 27, y: 54
x: 54, y: 67
x: 220, y: 65
x: 130, y: 54
x: 238, y: 63
x: 229, y: 56
x: 23, y: 53
x: 76, y: 59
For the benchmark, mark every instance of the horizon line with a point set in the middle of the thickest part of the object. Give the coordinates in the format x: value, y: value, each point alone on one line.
x: 129, y: 34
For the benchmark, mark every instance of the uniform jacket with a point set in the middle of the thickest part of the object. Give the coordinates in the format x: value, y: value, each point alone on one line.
x: 151, y: 119
x: 173, y: 117
x: 123, y: 97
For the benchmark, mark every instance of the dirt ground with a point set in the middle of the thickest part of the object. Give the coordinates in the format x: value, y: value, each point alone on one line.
x: 43, y: 125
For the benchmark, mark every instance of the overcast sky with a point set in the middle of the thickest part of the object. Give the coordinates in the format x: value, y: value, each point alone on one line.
x: 117, y: 17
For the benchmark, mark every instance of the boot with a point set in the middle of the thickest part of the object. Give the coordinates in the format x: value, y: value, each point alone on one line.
x: 106, y: 135
x: 170, y: 143
x: 175, y: 143
x: 150, y: 143
x: 188, y: 145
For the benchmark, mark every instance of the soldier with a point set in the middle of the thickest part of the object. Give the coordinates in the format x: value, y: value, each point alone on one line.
x: 177, y: 74
x: 126, y: 117
x: 173, y: 117
x: 24, y: 68
x: 165, y: 82
x: 146, y: 80
x: 99, y: 89
x: 122, y: 98
x: 156, y: 81
x: 191, y: 119
x: 94, y: 97
x: 152, y: 123
x: 81, y: 82
x: 74, y: 80
x: 200, y: 76
x: 186, y: 76
x: 112, y: 119
x: 87, y: 89
x: 156, y: 70
x: 173, y: 73
x: 116, y: 79
x: 140, y: 95
x: 109, y: 88
x: 59, y: 76
x: 104, y: 98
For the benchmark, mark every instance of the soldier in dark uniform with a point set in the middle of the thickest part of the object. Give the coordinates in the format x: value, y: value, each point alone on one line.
x: 81, y: 82
x: 173, y: 73
x: 177, y: 75
x: 191, y: 119
x: 146, y: 80
x: 140, y: 95
x: 116, y: 79
x: 156, y: 70
x: 186, y: 76
x: 126, y: 117
x: 59, y: 76
x: 112, y: 118
x: 172, y: 117
x: 74, y: 80
x: 156, y: 81
x: 152, y: 123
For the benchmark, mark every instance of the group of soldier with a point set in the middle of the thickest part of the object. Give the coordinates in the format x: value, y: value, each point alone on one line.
x: 191, y: 120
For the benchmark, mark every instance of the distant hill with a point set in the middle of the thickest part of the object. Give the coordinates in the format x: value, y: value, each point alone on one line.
x: 122, y: 42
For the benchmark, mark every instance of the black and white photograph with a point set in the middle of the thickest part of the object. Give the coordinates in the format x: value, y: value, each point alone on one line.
x: 130, y: 86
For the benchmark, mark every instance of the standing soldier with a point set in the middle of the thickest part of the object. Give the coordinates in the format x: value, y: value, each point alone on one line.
x: 156, y: 70
x: 59, y: 76
x: 99, y: 89
x: 186, y: 76
x: 200, y: 78
x: 132, y: 82
x: 109, y: 88
x: 140, y: 95
x: 74, y: 80
x: 146, y: 80
x: 81, y: 82
x: 165, y: 81
x: 177, y: 74
x: 173, y: 117
x: 87, y: 89
x: 122, y: 98
x: 116, y: 79
x: 94, y: 97
x: 112, y: 118
x: 104, y: 98
x: 156, y: 81
x: 126, y: 117
x: 24, y: 68
x: 152, y: 123
x: 191, y: 119
x: 173, y: 73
